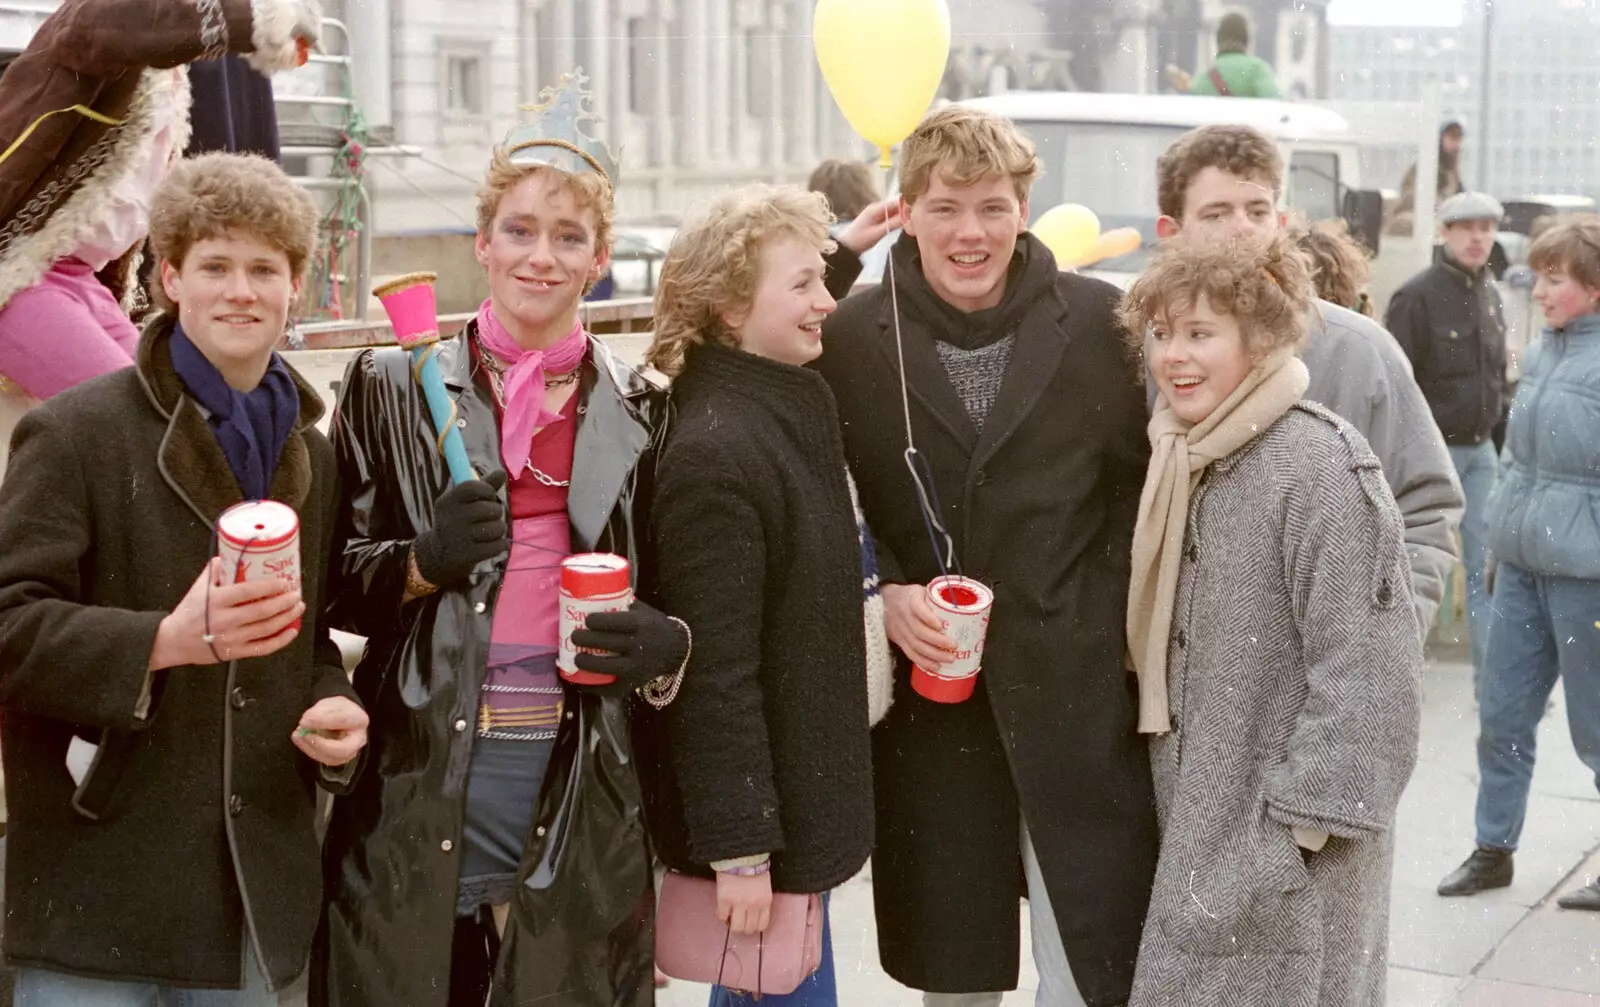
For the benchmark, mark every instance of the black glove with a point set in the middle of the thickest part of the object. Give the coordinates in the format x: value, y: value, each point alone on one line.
x: 469, y: 526
x: 642, y: 645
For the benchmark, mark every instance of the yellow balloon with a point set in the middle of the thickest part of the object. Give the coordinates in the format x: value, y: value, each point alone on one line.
x: 1114, y: 243
x: 1069, y: 231
x: 883, y: 61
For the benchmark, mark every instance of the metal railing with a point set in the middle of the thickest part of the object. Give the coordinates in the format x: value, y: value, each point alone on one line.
x: 305, y: 135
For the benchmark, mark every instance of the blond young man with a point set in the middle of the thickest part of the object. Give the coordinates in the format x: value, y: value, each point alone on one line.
x: 1223, y: 183
x: 1025, y: 409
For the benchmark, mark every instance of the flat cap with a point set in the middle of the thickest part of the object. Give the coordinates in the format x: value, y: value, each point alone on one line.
x: 1470, y: 206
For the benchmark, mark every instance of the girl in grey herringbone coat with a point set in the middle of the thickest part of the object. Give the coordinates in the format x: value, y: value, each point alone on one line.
x: 1271, y: 625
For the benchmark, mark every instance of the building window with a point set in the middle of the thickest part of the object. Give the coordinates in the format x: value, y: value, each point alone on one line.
x: 464, y: 80
x: 1314, y: 184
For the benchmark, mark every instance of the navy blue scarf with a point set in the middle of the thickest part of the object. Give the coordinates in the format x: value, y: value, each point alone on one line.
x: 251, y: 427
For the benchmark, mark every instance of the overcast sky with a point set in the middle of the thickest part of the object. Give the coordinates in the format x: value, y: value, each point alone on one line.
x: 1445, y: 13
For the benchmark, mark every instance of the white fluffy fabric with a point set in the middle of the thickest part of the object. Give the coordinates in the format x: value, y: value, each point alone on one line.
x: 29, y: 257
x: 880, y: 660
x: 273, y: 26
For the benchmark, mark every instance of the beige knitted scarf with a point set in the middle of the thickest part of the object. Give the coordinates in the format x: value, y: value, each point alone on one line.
x: 1181, y: 452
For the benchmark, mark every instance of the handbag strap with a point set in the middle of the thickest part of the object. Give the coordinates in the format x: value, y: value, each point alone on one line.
x: 761, y: 954
x: 727, y: 942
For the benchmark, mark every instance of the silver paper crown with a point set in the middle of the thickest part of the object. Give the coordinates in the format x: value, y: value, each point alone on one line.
x: 557, y: 137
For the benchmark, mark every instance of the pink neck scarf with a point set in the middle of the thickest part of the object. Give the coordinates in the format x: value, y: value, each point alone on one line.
x: 524, y: 383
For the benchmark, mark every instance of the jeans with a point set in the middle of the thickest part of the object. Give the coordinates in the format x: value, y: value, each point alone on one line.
x: 1057, y: 988
x: 44, y: 988
x: 820, y: 988
x: 1477, y: 467
x: 1543, y: 628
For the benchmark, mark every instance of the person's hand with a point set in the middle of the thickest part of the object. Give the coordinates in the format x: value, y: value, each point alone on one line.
x: 871, y: 225
x: 914, y: 627
x: 218, y: 622
x: 285, y: 40
x: 332, y: 732
x: 744, y: 902
x: 641, y: 644
x: 1178, y: 78
x: 469, y: 526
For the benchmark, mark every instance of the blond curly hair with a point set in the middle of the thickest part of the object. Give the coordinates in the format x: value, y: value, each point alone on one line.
x: 714, y: 265
x: 589, y: 191
x: 1266, y: 287
x: 1340, y: 269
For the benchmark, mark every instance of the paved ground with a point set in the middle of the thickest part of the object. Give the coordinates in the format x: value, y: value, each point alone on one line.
x: 1512, y: 947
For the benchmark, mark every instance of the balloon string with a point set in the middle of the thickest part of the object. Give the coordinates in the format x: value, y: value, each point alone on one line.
x: 927, y: 498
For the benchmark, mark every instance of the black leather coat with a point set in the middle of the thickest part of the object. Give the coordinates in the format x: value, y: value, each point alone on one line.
x: 1452, y: 327
x: 582, y: 924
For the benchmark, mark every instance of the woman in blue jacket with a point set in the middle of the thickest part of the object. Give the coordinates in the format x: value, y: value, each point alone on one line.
x: 1544, y: 532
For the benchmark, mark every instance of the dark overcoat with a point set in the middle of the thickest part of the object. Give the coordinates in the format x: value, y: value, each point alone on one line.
x: 582, y: 923
x: 1041, y: 507
x: 205, y: 809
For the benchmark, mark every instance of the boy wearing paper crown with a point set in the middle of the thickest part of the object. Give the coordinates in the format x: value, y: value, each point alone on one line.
x: 1024, y: 407
x: 92, y: 114
x: 162, y: 833
x: 497, y: 841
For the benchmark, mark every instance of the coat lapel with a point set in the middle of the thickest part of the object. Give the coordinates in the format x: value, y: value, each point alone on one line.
x: 474, y: 399
x: 926, y: 377
x: 1042, y: 339
x: 190, y: 459
x: 610, y: 440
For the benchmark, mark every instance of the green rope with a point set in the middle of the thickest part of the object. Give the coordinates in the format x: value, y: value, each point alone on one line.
x: 341, y: 225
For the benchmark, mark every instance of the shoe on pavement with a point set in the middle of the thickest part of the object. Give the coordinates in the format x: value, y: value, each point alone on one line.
x: 1587, y: 897
x: 1484, y: 870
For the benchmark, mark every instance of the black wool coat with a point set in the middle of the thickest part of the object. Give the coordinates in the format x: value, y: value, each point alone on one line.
x: 206, y: 809
x: 1041, y: 507
x: 766, y: 747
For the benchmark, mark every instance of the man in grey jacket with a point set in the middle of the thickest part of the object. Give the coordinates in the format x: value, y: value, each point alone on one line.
x: 1225, y: 181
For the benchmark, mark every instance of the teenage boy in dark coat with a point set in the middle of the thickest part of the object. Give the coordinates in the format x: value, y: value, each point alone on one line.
x: 1026, y: 409
x: 164, y: 730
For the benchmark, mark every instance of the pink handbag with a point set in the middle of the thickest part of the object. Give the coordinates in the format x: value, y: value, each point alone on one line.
x: 692, y: 944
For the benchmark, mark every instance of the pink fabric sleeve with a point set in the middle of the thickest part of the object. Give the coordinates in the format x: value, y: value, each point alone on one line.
x: 50, y: 340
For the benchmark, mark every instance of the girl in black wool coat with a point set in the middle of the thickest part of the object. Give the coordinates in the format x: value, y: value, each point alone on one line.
x: 765, y: 781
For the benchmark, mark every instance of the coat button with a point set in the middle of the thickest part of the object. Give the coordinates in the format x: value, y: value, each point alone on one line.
x: 1192, y: 553
x: 237, y: 698
x: 980, y: 478
x: 447, y: 846
x: 1385, y: 592
x: 462, y: 422
x: 1181, y: 640
x: 539, y: 832
x: 235, y: 805
x: 480, y: 608
x: 461, y: 725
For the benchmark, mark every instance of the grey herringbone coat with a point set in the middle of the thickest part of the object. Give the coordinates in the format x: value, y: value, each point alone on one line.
x: 1294, y: 676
